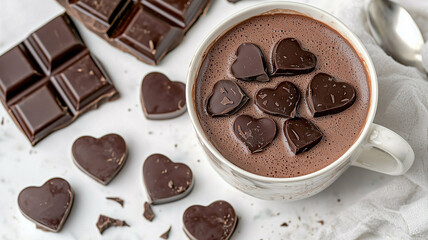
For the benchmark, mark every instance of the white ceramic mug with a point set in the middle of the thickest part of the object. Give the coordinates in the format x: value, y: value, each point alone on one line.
x: 377, y: 148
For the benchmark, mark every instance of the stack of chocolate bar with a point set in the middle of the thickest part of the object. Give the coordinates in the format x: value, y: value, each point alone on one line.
x: 147, y: 29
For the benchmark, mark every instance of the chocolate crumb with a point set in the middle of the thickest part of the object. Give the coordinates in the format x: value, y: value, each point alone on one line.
x: 198, y: 160
x: 148, y: 213
x: 338, y: 200
x: 129, y: 109
x: 321, y: 222
x: 2, y: 121
x: 116, y: 199
x: 175, y: 145
x: 284, y: 224
x: 165, y: 235
x: 150, y: 133
x: 300, y: 219
x: 105, y: 222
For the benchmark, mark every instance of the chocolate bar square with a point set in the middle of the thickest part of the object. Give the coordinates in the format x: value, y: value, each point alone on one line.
x: 82, y: 83
x: 16, y: 71
x: 54, y: 43
x: 99, y: 15
x: 40, y: 112
x: 148, y: 36
x: 181, y: 13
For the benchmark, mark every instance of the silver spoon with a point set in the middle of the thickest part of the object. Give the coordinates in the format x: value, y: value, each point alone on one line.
x: 396, y: 32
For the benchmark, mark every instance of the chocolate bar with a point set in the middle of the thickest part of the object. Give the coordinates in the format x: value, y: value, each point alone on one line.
x: 147, y: 29
x: 51, y: 78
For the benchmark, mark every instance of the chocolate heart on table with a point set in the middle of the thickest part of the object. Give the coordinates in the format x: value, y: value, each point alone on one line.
x: 166, y: 181
x: 216, y: 221
x: 327, y: 96
x: 255, y: 133
x: 102, y: 159
x: 290, y: 59
x: 49, y: 205
x: 282, y: 100
x: 250, y: 64
x: 162, y: 98
x: 225, y: 99
x: 301, y: 134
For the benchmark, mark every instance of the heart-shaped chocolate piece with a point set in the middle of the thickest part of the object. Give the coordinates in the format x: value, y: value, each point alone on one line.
x: 102, y: 159
x: 47, y: 206
x: 250, y: 64
x: 255, y: 133
x: 162, y: 98
x: 216, y: 221
x: 226, y: 98
x: 282, y: 100
x: 301, y: 134
x: 165, y: 180
x: 327, y: 96
x: 290, y: 59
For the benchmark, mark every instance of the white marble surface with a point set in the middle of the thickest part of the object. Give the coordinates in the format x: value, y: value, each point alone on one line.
x: 22, y: 165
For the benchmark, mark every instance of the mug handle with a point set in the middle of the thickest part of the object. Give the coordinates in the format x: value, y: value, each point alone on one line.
x: 386, y: 152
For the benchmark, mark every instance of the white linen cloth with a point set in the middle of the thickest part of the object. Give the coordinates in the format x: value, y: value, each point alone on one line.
x: 398, y: 210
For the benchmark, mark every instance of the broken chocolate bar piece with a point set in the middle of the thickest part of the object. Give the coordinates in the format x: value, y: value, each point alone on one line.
x: 117, y: 199
x: 148, y: 212
x: 105, y: 223
x: 147, y: 29
x: 50, y: 79
x: 47, y: 206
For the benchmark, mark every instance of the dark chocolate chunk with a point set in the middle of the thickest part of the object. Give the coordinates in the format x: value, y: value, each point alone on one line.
x: 40, y: 113
x: 148, y: 32
x: 83, y: 83
x: 282, y: 100
x: 105, y: 223
x: 147, y: 36
x: 166, y: 181
x: 255, y: 133
x: 47, y: 206
x: 250, y: 64
x: 16, y: 71
x: 54, y: 43
x: 225, y: 99
x: 50, y: 79
x: 99, y: 15
x: 102, y: 158
x: 284, y: 224
x: 288, y: 58
x: 117, y: 199
x: 148, y: 212
x: 216, y: 221
x: 327, y: 96
x: 162, y: 98
x: 165, y: 235
x: 181, y: 13
x: 301, y: 134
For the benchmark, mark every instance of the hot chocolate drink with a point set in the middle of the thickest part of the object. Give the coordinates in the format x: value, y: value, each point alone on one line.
x: 318, y: 97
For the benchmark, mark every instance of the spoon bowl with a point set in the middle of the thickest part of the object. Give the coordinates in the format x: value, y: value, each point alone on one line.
x: 396, y: 32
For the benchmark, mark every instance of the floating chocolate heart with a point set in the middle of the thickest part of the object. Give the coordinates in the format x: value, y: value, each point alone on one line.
x: 47, y: 206
x: 250, y: 64
x: 226, y: 98
x: 327, y: 96
x: 216, y: 221
x: 282, y: 100
x: 255, y: 133
x: 165, y: 180
x: 102, y: 159
x: 290, y: 59
x: 162, y: 98
x: 301, y: 134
